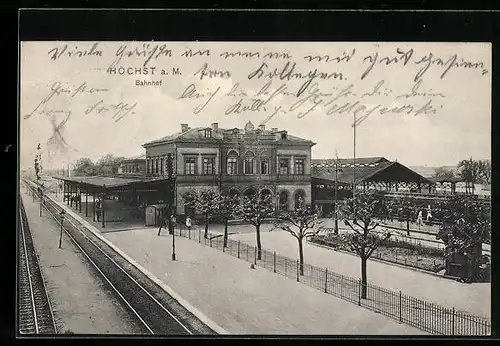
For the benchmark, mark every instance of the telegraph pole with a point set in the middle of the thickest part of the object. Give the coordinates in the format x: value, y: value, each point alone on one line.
x: 336, y: 189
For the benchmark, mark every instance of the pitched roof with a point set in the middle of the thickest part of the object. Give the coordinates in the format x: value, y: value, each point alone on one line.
x: 135, y: 158
x: 366, y: 169
x: 197, y: 133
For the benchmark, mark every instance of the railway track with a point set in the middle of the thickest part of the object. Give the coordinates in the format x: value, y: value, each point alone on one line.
x: 34, y: 310
x: 158, y: 314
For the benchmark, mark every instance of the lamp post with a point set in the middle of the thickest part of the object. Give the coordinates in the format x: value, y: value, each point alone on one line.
x: 173, y: 245
x: 61, y: 214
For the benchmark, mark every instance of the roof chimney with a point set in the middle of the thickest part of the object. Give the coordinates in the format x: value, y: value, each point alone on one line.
x: 274, y: 129
x: 262, y: 127
x: 215, y: 127
x: 184, y: 127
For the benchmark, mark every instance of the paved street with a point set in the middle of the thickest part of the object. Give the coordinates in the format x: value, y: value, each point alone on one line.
x: 82, y: 303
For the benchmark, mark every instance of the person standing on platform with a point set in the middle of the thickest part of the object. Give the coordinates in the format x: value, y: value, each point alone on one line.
x: 163, y: 223
x: 188, y: 222
x: 419, y: 218
x: 429, y: 214
x: 98, y: 208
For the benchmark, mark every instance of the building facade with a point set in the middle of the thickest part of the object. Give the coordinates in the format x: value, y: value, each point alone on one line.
x: 133, y: 166
x: 235, y: 161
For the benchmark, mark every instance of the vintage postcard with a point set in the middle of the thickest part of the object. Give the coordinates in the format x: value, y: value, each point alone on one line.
x: 255, y: 188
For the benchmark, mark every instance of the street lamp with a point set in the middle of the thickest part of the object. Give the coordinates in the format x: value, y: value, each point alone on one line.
x: 61, y: 214
x: 173, y: 245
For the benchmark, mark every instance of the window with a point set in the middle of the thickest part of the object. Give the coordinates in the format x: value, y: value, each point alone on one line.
x: 190, y: 166
x: 147, y: 166
x: 264, y: 167
x: 283, y: 135
x: 299, y: 166
x: 208, y: 133
x: 156, y: 166
x: 232, y: 165
x: 208, y: 165
x: 161, y: 166
x: 284, y: 166
x: 248, y: 168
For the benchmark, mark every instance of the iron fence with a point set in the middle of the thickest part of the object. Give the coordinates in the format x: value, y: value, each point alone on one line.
x: 415, y: 312
x: 415, y: 261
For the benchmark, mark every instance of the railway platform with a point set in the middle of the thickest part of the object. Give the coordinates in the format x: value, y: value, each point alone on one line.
x: 80, y: 302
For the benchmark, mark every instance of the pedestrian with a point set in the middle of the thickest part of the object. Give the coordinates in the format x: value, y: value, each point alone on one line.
x: 98, y: 209
x: 188, y: 222
x: 419, y: 218
x: 163, y: 223
x: 429, y: 214
x: 173, y: 220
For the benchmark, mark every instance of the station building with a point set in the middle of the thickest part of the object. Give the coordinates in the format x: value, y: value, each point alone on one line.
x: 248, y: 161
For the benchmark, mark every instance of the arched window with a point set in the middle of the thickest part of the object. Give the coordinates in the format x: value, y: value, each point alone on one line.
x: 232, y: 162
x: 233, y: 193
x: 248, y: 163
x: 250, y: 193
x: 283, y: 200
x: 265, y: 193
x: 300, y: 197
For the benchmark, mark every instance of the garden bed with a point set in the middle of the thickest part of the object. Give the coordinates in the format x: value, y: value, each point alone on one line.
x: 393, y: 251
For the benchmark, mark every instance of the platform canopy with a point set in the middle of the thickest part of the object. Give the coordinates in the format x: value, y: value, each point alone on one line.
x: 114, y: 184
x: 366, y: 170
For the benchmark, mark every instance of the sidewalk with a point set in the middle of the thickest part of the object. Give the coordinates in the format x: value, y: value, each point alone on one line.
x: 82, y: 303
x: 474, y: 298
x: 244, y: 300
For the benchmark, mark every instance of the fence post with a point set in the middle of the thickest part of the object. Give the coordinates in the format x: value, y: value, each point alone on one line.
x: 453, y: 322
x: 199, y: 236
x: 359, y: 292
x: 297, y: 270
x: 274, y: 261
x: 223, y: 250
x: 210, y: 241
x: 255, y: 255
x: 400, y: 307
x: 326, y: 280
x: 238, y: 249
x: 189, y: 234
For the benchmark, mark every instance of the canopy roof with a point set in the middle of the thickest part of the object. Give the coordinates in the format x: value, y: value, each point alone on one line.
x: 113, y: 183
x: 374, y: 169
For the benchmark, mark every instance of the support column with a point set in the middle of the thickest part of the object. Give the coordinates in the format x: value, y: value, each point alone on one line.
x: 93, y: 205
x: 102, y: 207
x: 64, y: 191
x: 86, y: 203
x: 419, y: 188
x: 430, y: 188
x: 80, y: 199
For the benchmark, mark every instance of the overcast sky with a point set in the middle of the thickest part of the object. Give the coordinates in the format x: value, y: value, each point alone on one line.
x: 456, y: 126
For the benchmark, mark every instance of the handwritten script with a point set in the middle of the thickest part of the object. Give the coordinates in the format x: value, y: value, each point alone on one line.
x: 265, y: 80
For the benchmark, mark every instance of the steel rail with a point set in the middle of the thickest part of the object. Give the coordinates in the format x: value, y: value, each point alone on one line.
x: 69, y: 218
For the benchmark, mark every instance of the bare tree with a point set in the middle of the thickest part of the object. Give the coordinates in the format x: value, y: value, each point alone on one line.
x: 255, y: 210
x: 359, y: 214
x: 300, y: 223
x: 227, y: 208
x: 470, y: 172
x: 466, y: 226
x: 206, y: 202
